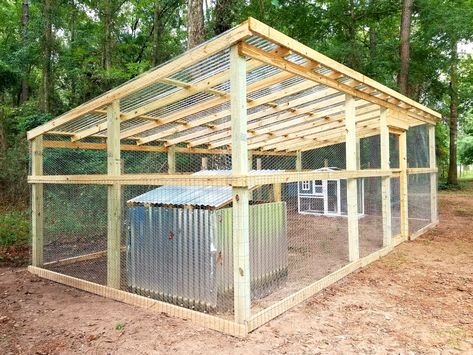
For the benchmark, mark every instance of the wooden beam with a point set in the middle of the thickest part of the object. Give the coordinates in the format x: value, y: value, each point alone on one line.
x: 296, y: 69
x: 386, y: 181
x: 257, y: 119
x: 114, y: 196
x: 262, y: 30
x: 299, y: 160
x: 265, y: 100
x: 433, y: 176
x: 304, y: 133
x: 205, y: 163
x: 240, y: 210
x: 403, y: 182
x: 172, y: 159
x: 37, y: 202
x: 352, y: 184
x: 189, y: 58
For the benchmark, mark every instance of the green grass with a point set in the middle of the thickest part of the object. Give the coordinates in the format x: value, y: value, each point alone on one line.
x: 14, y: 228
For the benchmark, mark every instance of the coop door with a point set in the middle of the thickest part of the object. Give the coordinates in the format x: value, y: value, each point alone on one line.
x: 333, y: 197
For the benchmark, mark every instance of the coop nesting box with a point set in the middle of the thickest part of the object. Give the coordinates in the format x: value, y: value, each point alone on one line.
x: 180, y: 246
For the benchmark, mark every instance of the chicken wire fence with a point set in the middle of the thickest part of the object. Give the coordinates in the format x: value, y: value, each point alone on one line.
x: 176, y: 241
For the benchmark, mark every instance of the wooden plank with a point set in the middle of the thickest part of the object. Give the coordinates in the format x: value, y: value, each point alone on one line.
x: 352, y: 187
x: 187, y: 59
x: 403, y: 182
x: 114, y: 196
x: 240, y: 210
x: 203, y: 319
x: 433, y: 175
x: 262, y: 30
x: 37, y: 202
x: 413, y: 171
x: 423, y: 230
x: 279, y: 62
x: 205, y: 163
x: 277, y: 195
x: 76, y: 259
x: 385, y: 181
x: 172, y: 159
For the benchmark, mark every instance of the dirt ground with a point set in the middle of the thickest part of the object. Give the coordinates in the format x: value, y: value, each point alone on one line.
x: 418, y: 299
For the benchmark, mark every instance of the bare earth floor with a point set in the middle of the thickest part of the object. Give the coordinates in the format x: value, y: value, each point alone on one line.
x: 417, y: 299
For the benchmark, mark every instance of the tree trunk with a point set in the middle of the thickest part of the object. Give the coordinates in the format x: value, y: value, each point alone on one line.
x: 404, y: 48
x: 25, y: 19
x: 46, y: 80
x: 195, y: 23
x: 107, y: 35
x: 452, y: 167
x: 224, y: 15
x: 158, y: 25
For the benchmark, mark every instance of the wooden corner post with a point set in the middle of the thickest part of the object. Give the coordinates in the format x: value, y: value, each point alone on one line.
x: 114, y: 196
x: 241, y: 244
x: 386, y: 181
x: 352, y: 185
x: 37, y: 207
x: 403, y: 182
x: 298, y: 160
x: 433, y: 175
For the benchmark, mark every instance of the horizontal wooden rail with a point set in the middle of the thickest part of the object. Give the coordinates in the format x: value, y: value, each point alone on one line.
x: 150, y: 148
x: 210, y: 180
x: 411, y: 171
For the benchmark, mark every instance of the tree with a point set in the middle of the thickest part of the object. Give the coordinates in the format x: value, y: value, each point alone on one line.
x: 404, y: 48
x: 24, y: 30
x: 224, y: 15
x: 195, y: 23
x: 47, y: 47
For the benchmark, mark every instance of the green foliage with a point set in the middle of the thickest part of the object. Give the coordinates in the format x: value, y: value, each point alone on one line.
x: 14, y: 228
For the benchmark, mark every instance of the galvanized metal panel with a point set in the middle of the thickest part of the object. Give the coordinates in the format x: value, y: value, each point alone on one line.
x: 185, y: 256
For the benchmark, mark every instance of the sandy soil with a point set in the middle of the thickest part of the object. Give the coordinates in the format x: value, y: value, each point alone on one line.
x: 417, y: 299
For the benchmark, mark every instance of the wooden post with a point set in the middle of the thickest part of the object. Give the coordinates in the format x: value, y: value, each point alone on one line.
x: 277, y: 192
x: 114, y: 196
x: 259, y: 192
x: 403, y: 181
x: 352, y: 185
x: 299, y: 161
x: 37, y: 217
x: 205, y: 163
x: 172, y: 159
x: 241, y: 244
x: 433, y: 176
x: 386, y: 181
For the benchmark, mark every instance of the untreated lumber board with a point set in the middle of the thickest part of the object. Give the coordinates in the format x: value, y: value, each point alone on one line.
x: 37, y: 202
x: 385, y: 181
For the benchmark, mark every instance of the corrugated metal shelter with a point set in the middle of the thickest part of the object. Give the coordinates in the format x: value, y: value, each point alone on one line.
x: 251, y: 98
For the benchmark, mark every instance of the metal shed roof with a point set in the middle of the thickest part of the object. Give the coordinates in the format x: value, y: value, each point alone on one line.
x: 195, y: 196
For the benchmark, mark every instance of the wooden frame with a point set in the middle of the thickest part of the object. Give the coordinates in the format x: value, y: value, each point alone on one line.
x: 297, y: 107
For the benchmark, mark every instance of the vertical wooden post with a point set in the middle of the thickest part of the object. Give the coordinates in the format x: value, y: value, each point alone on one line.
x: 205, y: 163
x: 433, y: 176
x: 259, y: 192
x: 403, y: 181
x: 386, y: 181
x: 172, y: 159
x: 299, y: 161
x: 326, y: 163
x: 277, y: 192
x: 241, y: 244
x: 114, y: 195
x: 37, y: 218
x: 352, y: 185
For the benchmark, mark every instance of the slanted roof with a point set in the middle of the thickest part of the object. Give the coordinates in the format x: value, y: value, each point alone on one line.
x: 295, y: 96
x: 193, y: 196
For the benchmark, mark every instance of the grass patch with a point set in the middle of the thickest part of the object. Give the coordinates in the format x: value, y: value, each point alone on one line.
x: 14, y: 228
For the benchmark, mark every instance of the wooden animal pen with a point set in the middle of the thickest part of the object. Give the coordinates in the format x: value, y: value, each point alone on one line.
x: 250, y: 99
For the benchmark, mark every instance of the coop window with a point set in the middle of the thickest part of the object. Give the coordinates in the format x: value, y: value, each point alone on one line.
x: 306, y: 185
x: 318, y: 186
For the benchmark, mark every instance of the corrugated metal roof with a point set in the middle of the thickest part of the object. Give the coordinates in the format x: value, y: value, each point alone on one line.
x: 196, y: 196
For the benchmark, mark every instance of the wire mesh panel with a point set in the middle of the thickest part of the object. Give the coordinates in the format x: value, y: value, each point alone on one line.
x: 75, y: 230
x: 329, y: 156
x: 370, y: 152
x: 370, y: 223
x: 419, y: 201
x: 302, y: 247
x: 418, y: 147
x: 191, y: 163
x: 395, y: 206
